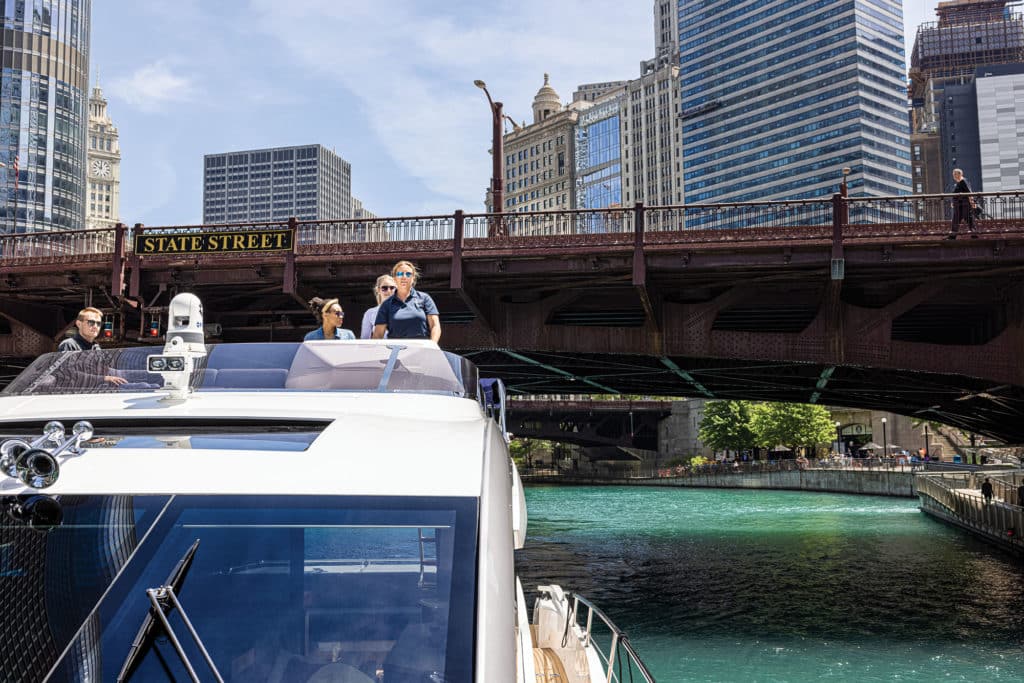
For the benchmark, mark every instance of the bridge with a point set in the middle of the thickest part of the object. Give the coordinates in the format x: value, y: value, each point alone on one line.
x: 844, y: 301
x: 589, y: 422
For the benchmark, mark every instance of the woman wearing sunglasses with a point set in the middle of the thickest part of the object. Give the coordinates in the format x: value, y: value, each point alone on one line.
x: 330, y: 316
x: 384, y: 288
x: 408, y: 314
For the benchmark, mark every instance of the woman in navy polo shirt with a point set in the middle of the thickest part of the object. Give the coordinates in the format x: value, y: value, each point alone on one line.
x: 408, y: 313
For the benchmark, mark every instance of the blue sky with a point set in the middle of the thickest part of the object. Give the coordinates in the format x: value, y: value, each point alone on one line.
x: 389, y: 90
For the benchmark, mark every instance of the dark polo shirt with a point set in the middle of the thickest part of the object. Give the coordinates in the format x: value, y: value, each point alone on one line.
x: 407, y: 319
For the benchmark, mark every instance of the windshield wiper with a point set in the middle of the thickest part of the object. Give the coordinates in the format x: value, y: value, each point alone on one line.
x: 165, y: 599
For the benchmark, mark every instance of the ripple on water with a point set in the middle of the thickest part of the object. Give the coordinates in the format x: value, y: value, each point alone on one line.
x: 782, y: 586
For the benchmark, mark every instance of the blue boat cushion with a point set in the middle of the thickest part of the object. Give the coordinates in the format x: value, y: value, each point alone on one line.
x: 267, y: 378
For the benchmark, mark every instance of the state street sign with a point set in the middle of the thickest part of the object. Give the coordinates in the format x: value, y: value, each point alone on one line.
x: 212, y: 242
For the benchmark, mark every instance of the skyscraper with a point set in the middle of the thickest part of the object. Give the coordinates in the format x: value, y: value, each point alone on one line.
x: 309, y: 182
x: 43, y: 91
x: 982, y: 129
x: 777, y: 97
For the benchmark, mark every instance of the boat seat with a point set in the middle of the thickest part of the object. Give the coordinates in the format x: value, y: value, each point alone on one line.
x: 266, y: 378
x: 548, y: 666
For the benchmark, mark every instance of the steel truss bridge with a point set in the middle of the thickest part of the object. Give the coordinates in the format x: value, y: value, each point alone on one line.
x: 858, y: 302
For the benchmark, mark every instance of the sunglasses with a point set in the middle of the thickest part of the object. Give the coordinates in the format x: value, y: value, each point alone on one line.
x: 405, y: 273
x: 340, y: 314
x: 92, y: 323
x: 387, y: 288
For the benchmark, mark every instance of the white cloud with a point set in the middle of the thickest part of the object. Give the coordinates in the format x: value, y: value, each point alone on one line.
x: 412, y: 68
x: 152, y: 87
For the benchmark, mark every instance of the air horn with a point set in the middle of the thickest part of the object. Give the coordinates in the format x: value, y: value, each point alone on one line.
x: 38, y: 467
x: 53, y: 432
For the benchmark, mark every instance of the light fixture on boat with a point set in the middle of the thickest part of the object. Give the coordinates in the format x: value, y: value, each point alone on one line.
x: 185, y: 344
x: 53, y: 432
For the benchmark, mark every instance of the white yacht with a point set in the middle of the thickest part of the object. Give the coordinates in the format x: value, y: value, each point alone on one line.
x: 311, y: 512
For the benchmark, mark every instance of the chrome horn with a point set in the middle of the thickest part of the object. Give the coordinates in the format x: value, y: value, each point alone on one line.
x: 39, y: 468
x: 53, y: 432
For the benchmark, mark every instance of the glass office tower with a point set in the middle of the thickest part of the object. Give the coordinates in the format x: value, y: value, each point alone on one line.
x: 779, y: 95
x: 598, y: 164
x: 43, y: 118
x: 309, y: 182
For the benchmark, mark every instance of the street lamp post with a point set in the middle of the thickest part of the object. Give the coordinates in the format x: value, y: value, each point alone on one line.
x: 839, y: 439
x: 885, y: 440
x: 497, y: 152
x: 927, y: 451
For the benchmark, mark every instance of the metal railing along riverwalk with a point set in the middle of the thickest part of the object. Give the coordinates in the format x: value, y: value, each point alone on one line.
x: 629, y: 470
x: 955, y: 497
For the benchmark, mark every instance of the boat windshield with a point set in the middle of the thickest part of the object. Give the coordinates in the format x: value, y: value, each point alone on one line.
x: 314, y: 366
x: 280, y: 588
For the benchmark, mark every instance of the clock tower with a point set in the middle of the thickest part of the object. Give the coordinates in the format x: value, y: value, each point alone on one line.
x: 103, y: 171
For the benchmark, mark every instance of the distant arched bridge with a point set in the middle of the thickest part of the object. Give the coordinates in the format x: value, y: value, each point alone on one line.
x: 589, y: 422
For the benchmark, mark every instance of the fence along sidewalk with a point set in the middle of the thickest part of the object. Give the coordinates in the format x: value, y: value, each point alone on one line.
x: 954, y: 497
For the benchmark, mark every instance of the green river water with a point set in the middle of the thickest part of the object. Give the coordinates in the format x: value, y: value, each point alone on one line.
x: 780, y: 586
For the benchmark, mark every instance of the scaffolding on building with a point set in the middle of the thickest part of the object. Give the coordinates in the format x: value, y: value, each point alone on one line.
x: 968, y: 34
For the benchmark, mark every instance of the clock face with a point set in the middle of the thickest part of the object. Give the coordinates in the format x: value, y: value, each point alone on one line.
x: 101, y: 169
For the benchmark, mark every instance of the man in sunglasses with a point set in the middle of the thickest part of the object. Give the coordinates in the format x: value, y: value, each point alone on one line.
x: 89, y: 322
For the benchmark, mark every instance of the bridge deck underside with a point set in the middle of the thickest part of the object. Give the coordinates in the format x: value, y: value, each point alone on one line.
x: 971, y: 404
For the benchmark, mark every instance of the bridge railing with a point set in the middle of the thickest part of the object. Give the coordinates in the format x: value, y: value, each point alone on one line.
x: 356, y: 231
x: 853, y: 217
x: 740, y: 216
x: 56, y: 246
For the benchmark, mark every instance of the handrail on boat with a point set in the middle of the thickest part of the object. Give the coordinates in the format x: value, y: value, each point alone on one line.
x: 619, y: 639
x: 494, y: 398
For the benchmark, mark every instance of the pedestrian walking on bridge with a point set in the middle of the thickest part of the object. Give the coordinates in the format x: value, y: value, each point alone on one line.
x: 986, y: 490
x: 963, y: 207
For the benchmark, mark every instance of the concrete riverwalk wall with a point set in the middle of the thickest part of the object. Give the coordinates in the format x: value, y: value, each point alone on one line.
x: 866, y: 482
